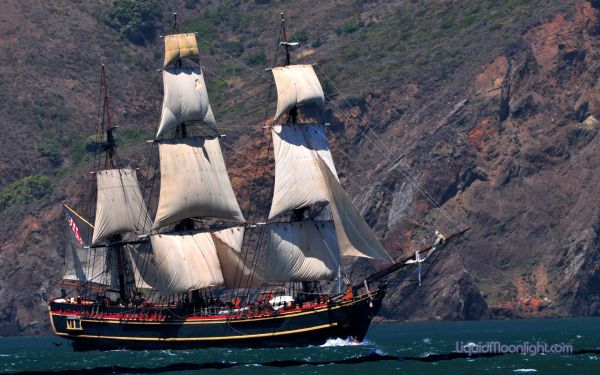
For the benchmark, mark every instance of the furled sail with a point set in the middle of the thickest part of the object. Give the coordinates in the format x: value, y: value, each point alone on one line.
x: 194, y: 182
x: 185, y: 99
x: 302, y: 251
x: 179, y: 46
x: 236, y: 272
x: 354, y: 235
x: 296, y: 85
x: 185, y: 261
x: 120, y: 207
x: 298, y: 178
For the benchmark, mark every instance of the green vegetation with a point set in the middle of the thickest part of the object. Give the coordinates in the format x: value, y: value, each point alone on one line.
x: 84, y: 148
x: 234, y: 47
x: 300, y: 36
x: 217, y: 86
x: 50, y: 148
x: 130, y: 137
x: 205, y: 33
x: 24, y: 190
x: 190, y: 4
x: 225, y: 14
x: 328, y: 89
x: 136, y: 20
x: 81, y: 148
x: 257, y: 59
x: 49, y: 108
x: 349, y: 26
x: 424, y: 41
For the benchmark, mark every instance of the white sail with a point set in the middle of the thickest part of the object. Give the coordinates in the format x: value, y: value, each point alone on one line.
x: 236, y: 272
x: 354, y: 235
x: 302, y: 251
x: 298, y: 178
x: 86, y: 265
x: 185, y: 98
x: 296, y: 85
x: 185, y: 261
x: 194, y: 182
x: 74, y: 265
x: 143, y: 265
x: 209, y: 119
x: 83, y: 265
x: 120, y: 207
x: 179, y: 46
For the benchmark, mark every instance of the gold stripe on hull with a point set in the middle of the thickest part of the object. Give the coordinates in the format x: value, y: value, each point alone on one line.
x: 257, y: 335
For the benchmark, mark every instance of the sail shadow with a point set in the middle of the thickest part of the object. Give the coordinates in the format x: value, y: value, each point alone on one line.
x: 308, y: 136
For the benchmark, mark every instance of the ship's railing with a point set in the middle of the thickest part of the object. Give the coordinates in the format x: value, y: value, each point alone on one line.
x: 157, y: 311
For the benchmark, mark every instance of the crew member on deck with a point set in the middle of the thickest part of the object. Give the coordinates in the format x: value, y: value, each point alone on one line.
x: 349, y: 293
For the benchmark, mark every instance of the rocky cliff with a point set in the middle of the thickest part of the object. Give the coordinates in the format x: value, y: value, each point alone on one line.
x: 487, y: 110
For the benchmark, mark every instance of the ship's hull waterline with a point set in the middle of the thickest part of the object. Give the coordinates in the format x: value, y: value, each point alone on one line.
x: 95, y: 328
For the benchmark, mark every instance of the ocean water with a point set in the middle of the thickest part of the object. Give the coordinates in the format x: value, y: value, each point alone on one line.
x: 403, y: 348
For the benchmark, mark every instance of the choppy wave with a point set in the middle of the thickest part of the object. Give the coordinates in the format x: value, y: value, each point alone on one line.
x: 341, y: 342
x: 412, y: 348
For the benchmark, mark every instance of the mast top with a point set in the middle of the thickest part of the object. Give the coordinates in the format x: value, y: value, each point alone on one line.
x: 109, y: 145
x: 175, y: 24
x: 285, y: 43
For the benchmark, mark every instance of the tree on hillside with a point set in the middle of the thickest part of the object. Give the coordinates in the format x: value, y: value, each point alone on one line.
x: 135, y: 20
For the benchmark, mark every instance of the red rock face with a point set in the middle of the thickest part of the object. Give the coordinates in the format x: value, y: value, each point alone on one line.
x: 517, y: 164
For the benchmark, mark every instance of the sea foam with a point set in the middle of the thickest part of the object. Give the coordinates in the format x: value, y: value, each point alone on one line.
x: 341, y: 342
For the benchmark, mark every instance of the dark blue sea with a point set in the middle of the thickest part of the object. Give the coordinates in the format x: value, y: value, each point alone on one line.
x: 402, y: 348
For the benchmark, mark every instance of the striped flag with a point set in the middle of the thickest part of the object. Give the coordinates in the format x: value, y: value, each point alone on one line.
x: 74, y: 228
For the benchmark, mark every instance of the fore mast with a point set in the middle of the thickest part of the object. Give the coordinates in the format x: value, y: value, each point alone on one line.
x: 120, y: 208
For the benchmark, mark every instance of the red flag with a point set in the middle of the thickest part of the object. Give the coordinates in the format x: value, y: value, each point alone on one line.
x: 75, y: 229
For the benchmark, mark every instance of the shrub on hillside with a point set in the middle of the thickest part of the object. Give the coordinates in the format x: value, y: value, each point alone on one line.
x: 234, y: 47
x: 25, y: 189
x: 300, y: 36
x: 50, y: 148
x: 349, y: 26
x: 257, y: 59
x: 136, y: 20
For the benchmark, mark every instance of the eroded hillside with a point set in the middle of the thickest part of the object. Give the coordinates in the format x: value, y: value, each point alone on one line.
x: 486, y: 109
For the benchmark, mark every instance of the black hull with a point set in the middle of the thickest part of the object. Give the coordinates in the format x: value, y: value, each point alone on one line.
x: 93, y: 328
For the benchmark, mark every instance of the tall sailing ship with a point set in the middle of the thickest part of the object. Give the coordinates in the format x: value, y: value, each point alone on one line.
x: 199, y: 274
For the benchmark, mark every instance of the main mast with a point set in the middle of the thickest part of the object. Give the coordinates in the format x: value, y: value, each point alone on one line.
x: 293, y: 114
x: 195, y: 189
x: 308, y: 247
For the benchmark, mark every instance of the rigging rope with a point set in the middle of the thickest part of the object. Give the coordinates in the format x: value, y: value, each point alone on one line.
x: 383, y: 149
x: 265, y: 162
x: 257, y: 190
